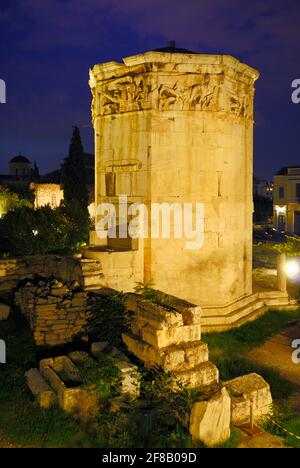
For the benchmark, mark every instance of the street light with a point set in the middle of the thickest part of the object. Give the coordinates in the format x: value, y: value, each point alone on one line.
x: 292, y: 269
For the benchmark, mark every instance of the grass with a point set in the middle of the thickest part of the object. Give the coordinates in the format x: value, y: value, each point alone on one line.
x: 285, y: 416
x: 233, y: 366
x: 21, y: 421
x: 229, y: 350
x: 243, y: 339
x: 24, y: 424
x: 103, y: 374
x: 264, y: 255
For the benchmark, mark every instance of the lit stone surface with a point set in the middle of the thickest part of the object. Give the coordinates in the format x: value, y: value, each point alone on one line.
x: 246, y: 389
x: 210, y: 420
x: 170, y: 336
x: 64, y: 378
x: 161, y: 337
x: 179, y: 127
x: 40, y: 389
x: 47, y: 194
x: 56, y: 312
x: 88, y: 273
x: 130, y: 378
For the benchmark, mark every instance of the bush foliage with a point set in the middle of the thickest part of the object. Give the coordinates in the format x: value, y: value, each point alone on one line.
x: 26, y: 231
x: 12, y: 199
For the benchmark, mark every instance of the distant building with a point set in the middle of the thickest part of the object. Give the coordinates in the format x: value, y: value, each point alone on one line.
x: 20, y: 167
x: 262, y: 188
x: 19, y: 171
x: 48, y: 188
x: 47, y: 194
x: 286, y: 199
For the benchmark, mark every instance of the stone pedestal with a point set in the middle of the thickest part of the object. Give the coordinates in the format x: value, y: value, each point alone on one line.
x: 170, y: 339
x: 281, y: 273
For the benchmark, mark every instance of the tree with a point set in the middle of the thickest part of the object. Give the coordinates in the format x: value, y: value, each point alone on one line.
x: 75, y: 189
x: 263, y: 209
x: 10, y: 200
x: 35, y: 173
x: 25, y: 194
x: 26, y: 231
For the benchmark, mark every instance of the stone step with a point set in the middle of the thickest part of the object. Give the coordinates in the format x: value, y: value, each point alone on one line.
x: 91, y: 269
x: 248, y: 318
x: 276, y: 301
x: 201, y: 376
x: 226, y: 310
x: 180, y: 357
x: 92, y: 281
x: 233, y: 317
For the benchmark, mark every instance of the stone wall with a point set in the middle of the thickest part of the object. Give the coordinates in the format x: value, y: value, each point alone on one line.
x: 88, y: 273
x: 56, y: 312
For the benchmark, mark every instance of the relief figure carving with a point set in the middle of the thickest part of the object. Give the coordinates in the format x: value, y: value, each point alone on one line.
x: 240, y: 105
x: 195, y: 96
x: 123, y: 92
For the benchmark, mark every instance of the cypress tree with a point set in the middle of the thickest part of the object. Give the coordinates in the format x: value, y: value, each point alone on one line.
x: 75, y: 189
x: 74, y: 180
x: 35, y: 173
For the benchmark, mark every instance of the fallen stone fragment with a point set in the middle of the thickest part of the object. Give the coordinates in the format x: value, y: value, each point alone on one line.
x: 99, y: 347
x: 251, y: 388
x: 210, y: 420
x: 40, y: 389
x: 4, y: 311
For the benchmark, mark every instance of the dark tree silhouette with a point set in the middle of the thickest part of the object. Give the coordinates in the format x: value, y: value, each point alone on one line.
x: 75, y: 188
x: 35, y: 173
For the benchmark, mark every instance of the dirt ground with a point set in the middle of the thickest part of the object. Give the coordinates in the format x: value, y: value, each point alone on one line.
x: 277, y: 352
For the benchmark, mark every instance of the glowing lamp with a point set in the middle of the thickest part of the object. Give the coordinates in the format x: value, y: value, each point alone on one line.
x: 280, y: 209
x: 292, y: 269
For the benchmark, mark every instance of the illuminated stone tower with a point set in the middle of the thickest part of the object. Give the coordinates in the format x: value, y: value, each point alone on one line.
x: 174, y: 126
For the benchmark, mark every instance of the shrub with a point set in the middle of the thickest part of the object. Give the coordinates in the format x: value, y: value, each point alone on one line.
x: 26, y: 231
x: 10, y: 200
x: 290, y: 247
x: 108, y: 318
x: 102, y: 373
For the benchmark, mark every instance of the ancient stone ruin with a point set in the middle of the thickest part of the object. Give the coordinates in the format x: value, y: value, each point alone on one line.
x: 170, y: 128
x: 60, y: 380
x: 56, y: 311
x: 165, y: 334
x: 171, y: 339
x: 177, y: 128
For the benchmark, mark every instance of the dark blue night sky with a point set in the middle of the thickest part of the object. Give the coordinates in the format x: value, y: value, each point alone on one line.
x: 47, y: 47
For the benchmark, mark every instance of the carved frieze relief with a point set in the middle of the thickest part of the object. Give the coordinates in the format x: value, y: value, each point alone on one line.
x: 172, y: 92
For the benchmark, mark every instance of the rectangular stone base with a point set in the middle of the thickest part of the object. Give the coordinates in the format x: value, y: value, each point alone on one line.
x: 201, y: 376
x: 243, y: 310
x: 180, y: 358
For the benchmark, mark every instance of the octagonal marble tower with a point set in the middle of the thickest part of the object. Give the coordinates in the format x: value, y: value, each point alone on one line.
x: 175, y: 126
